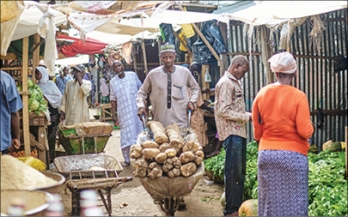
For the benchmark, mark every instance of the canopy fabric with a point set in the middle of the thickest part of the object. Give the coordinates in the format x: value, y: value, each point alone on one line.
x: 90, y: 46
x: 11, y: 9
x: 70, y: 61
x: 275, y: 12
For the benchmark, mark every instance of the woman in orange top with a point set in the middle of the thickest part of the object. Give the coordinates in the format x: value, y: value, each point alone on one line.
x: 282, y: 127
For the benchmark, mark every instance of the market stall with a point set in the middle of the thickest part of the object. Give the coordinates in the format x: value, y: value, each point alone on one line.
x: 33, y: 21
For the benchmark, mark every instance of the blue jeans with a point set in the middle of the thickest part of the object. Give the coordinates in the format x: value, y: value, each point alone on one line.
x: 235, y: 169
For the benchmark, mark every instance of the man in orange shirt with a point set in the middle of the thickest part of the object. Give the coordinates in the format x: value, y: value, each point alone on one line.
x: 282, y: 127
x: 231, y: 119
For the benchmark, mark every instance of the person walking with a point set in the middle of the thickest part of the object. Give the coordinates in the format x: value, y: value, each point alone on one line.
x: 62, y: 78
x: 282, y: 127
x: 54, y: 99
x: 231, y: 119
x: 74, y: 108
x: 10, y: 104
x: 104, y: 90
x: 168, y: 88
x: 123, y: 91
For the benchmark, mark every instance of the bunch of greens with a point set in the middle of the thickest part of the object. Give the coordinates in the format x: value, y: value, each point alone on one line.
x: 216, y: 164
x: 327, y: 186
x: 36, y: 101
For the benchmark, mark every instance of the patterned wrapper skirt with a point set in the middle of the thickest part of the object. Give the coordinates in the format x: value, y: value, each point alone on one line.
x: 282, y: 183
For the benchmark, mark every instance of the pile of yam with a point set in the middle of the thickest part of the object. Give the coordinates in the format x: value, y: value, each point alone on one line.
x: 170, y: 154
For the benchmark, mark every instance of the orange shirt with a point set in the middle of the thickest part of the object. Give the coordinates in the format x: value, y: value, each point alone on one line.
x: 281, y: 119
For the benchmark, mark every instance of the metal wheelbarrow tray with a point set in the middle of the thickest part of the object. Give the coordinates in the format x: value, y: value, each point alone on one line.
x: 168, y: 192
x: 85, y: 138
x: 81, y: 176
x: 79, y: 166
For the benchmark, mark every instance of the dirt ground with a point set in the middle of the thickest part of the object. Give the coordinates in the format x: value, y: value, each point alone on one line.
x: 131, y: 199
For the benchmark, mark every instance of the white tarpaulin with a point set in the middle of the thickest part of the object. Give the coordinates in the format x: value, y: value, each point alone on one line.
x: 71, y: 61
x: 30, y: 18
x: 274, y: 12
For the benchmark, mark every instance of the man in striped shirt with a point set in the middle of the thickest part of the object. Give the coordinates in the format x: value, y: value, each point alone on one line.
x: 231, y: 119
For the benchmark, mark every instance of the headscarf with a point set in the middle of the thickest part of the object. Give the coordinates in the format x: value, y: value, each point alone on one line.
x: 49, y: 88
x: 104, y: 87
x: 283, y: 63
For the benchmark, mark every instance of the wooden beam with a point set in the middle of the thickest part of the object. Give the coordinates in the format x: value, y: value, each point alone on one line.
x: 204, y: 39
x: 159, y: 43
x: 25, y: 110
x: 144, y: 55
x: 183, y: 43
x: 134, y: 58
x: 224, y: 64
x: 36, y: 55
x: 205, y: 85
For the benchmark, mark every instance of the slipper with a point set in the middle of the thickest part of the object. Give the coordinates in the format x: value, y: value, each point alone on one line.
x: 125, y: 164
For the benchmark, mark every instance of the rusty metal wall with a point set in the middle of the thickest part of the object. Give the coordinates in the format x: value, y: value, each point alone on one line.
x: 324, y: 88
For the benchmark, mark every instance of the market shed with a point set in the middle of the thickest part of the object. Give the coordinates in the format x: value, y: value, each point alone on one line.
x: 316, y: 36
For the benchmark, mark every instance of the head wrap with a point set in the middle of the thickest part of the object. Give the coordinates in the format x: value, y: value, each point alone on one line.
x: 49, y: 88
x: 283, y: 63
x: 167, y: 48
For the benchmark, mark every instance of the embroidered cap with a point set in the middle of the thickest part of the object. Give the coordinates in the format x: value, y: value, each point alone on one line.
x: 167, y: 48
x: 283, y: 63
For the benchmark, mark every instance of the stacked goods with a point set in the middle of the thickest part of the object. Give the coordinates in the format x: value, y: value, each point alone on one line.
x: 87, y: 128
x: 170, y: 154
x: 17, y: 175
x: 36, y: 102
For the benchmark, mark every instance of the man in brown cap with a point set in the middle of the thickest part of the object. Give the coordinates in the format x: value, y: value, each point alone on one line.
x: 74, y: 108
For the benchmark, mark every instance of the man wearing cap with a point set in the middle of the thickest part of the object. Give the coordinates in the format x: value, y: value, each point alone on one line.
x: 168, y: 88
x: 123, y: 91
x: 282, y: 127
x: 231, y: 119
x: 74, y: 108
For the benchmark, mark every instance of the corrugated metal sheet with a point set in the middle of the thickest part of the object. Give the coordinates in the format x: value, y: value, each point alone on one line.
x: 324, y: 88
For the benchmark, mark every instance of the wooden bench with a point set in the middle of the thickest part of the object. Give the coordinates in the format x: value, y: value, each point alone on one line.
x: 106, y: 113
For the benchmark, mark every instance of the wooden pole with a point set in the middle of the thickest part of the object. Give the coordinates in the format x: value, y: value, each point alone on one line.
x: 183, y: 43
x: 134, y: 58
x: 159, y: 43
x: 24, y: 74
x: 205, y: 85
x: 36, y: 55
x: 204, y: 39
x: 144, y: 55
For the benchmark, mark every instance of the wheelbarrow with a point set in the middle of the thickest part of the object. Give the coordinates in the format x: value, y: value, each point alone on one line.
x: 168, y: 192
x: 99, y: 172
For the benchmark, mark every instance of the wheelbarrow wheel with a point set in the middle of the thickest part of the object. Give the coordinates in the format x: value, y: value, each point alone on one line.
x: 169, y: 205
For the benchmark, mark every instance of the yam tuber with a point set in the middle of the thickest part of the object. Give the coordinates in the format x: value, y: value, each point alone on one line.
x: 140, y: 167
x: 154, y: 170
x: 159, y: 132
x: 198, y: 160
x: 150, y: 153
x: 191, y: 146
x: 174, y: 135
x: 191, y: 137
x: 171, y: 152
x: 149, y: 144
x: 199, y: 153
x: 176, y: 172
x: 161, y: 158
x: 135, y: 151
x: 164, y: 147
x: 176, y: 162
x: 188, y: 169
x: 186, y: 157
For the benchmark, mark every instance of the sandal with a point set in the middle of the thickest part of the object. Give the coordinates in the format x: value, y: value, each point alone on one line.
x: 125, y: 164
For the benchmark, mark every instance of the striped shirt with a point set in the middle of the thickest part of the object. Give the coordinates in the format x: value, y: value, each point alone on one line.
x: 230, y: 115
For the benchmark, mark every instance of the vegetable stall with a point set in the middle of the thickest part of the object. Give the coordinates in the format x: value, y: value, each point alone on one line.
x: 327, y: 180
